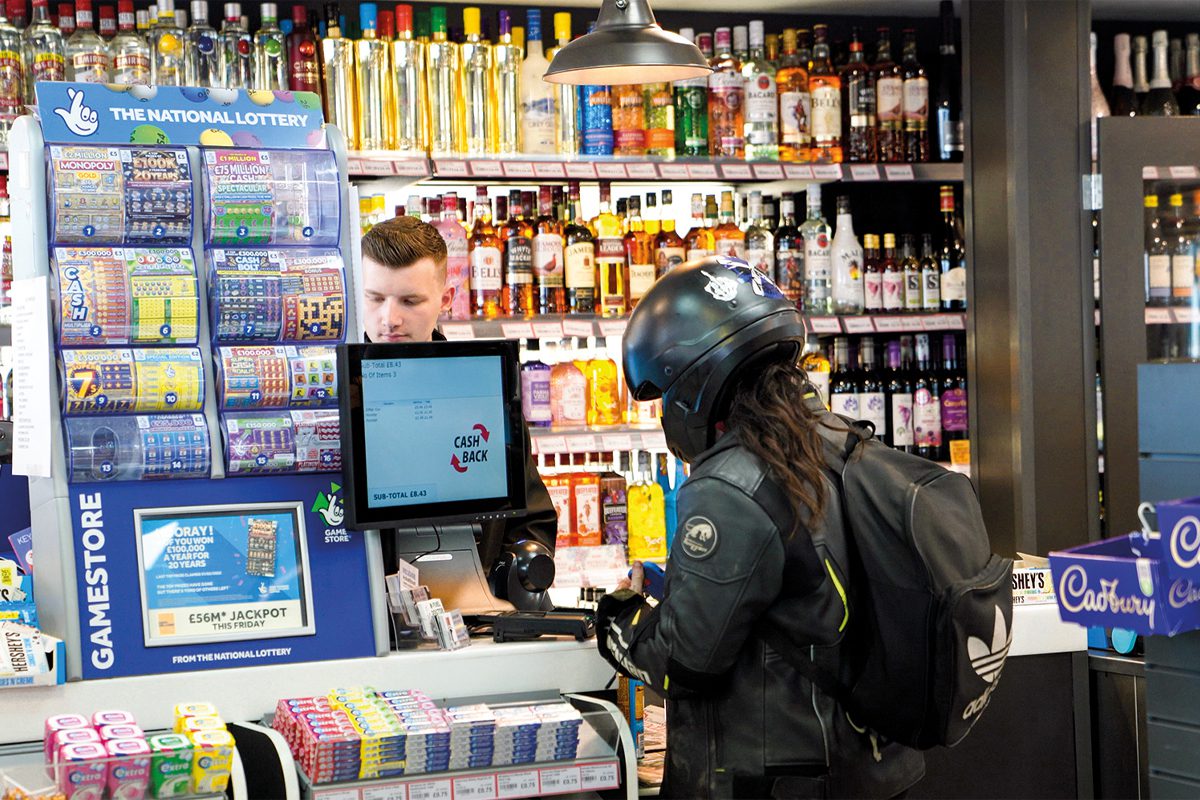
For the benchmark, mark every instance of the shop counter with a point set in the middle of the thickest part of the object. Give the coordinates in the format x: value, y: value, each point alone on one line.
x: 248, y: 693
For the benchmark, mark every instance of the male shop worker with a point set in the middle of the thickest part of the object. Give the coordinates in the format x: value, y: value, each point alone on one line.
x: 404, y: 291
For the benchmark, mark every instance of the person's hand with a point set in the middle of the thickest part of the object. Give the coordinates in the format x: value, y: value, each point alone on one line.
x: 636, y: 581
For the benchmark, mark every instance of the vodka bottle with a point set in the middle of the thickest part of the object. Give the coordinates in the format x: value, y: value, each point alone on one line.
x: 129, y: 50
x: 203, y: 65
x: 566, y: 103
x: 537, y: 96
x: 166, y: 44
x: 12, y: 76
x: 87, y: 54
x: 43, y: 50
x: 506, y: 66
x: 270, y: 53
x: 107, y: 23
x: 236, y: 50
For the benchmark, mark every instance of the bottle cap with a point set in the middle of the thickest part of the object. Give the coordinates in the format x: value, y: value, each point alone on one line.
x: 1176, y: 201
x: 471, y: 21
x: 756, y: 33
x: 368, y: 14
x: 66, y: 14
x: 870, y: 240
x: 505, y: 22
x: 667, y: 197
x: 1160, y: 39
x: 889, y: 241
x: 518, y: 34
x: 688, y: 33
x: 387, y: 25
x: 704, y: 41
x: 533, y: 25
x: 166, y: 10
x: 421, y: 23
x: 233, y: 12
x: 181, y: 18
x: 82, y: 5
x: 437, y: 19
x: 562, y: 26
x: 124, y: 6
x: 299, y: 15
x: 270, y: 11
x: 739, y: 37
x: 404, y: 18
x: 723, y: 38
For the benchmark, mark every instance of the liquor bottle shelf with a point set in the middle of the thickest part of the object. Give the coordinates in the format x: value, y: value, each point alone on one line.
x: 556, y: 327
x: 613, y: 438
x: 590, y: 168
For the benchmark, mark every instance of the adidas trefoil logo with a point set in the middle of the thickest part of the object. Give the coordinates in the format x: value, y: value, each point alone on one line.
x: 988, y: 662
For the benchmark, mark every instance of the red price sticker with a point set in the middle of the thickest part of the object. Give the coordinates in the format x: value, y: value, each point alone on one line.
x: 642, y: 171
x: 594, y: 777
x: 560, y: 780
x: 482, y: 787
x: 394, y: 791
x: 487, y: 169
x: 430, y: 790
x: 673, y: 172
x: 517, y: 784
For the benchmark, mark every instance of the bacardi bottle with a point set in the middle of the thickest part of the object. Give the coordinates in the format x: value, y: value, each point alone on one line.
x: 761, y: 126
x: 818, y: 262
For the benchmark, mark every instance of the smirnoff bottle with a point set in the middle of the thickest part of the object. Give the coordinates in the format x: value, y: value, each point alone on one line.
x: 43, y: 50
x: 12, y: 76
x: 130, y: 52
x: 87, y: 55
x: 203, y: 64
x: 107, y: 23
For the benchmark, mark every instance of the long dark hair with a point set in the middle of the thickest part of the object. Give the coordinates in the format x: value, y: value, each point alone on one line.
x: 770, y: 418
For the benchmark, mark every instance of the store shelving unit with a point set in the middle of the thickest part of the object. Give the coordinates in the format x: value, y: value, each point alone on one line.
x: 613, y: 438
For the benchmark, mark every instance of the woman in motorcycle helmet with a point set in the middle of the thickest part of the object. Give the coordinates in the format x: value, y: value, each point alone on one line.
x: 760, y: 543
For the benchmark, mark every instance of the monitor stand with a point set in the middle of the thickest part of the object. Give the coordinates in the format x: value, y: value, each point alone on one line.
x: 448, y: 560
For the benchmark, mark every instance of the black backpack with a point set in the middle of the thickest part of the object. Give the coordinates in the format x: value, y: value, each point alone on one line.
x: 931, y: 605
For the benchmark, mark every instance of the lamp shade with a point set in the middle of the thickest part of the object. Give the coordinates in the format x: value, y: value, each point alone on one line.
x: 627, y: 46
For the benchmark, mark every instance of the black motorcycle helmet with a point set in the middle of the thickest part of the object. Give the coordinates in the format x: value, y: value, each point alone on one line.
x: 693, y: 332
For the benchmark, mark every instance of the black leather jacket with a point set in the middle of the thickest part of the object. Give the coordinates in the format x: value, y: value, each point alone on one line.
x: 740, y: 721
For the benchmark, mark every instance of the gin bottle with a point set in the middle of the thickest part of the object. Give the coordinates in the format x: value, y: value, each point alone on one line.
x: 203, y: 66
x: 270, y: 52
x: 166, y: 44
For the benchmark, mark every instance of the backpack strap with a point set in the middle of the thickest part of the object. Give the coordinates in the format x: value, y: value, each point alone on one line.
x: 800, y: 661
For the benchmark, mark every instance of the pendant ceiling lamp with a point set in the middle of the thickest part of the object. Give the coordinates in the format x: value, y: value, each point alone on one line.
x: 627, y: 46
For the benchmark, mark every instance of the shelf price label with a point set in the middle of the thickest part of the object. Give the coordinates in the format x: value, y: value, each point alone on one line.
x: 585, y: 170
x: 393, y: 791
x: 516, y: 330
x: 864, y: 172
x: 768, y: 172
x: 518, y: 169
x: 899, y: 172
x: 616, y: 441
x: 451, y: 169
x: 485, y: 168
x: 516, y: 784
x: 911, y: 324
x: 827, y: 172
x: 430, y: 790
x: 654, y: 440
x: 458, y: 331
x: 577, y: 327
x: 737, y: 172
x: 674, y: 172
x: 825, y: 324
x: 1158, y: 316
x: 548, y: 330
x: 560, y: 780
x: 549, y: 445
x: 610, y: 170
x: 412, y: 167
x: 584, y: 443
x: 889, y: 324
x: 549, y: 169
x: 353, y: 166
x: 798, y: 172
x: 859, y: 325
x: 480, y: 787
x: 1185, y: 315
x: 613, y: 327
x: 702, y: 172
x: 371, y: 166
x: 642, y: 171
x: 1182, y: 173
x: 594, y: 777
x: 337, y: 794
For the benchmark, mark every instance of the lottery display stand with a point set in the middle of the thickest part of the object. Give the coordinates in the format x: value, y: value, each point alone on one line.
x: 199, y: 282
